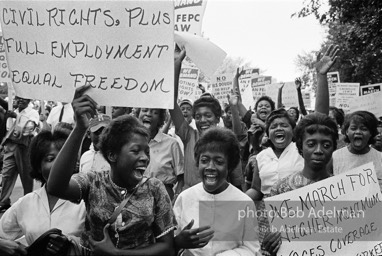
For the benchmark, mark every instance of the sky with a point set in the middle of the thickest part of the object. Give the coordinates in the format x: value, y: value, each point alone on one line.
x: 263, y: 33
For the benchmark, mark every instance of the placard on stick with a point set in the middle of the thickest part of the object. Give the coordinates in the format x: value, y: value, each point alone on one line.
x: 189, y: 16
x: 370, y: 88
x: 370, y: 102
x: 222, y: 85
x: 188, y: 83
x: 345, y: 93
x: 258, y: 86
x: 123, y: 49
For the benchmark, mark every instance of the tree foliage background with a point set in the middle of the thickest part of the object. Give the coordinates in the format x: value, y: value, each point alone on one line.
x: 356, y: 27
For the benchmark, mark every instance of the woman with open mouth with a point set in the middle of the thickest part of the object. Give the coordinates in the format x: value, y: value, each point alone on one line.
x: 166, y: 157
x: 360, y: 129
x: 276, y: 162
x: 126, y: 213
x: 207, y: 213
x: 279, y: 160
x: 316, y: 139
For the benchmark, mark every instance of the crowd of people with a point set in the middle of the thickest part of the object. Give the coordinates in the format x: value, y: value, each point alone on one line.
x: 170, y: 182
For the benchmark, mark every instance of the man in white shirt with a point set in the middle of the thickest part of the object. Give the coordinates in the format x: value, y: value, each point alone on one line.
x: 61, y: 113
x: 16, y: 144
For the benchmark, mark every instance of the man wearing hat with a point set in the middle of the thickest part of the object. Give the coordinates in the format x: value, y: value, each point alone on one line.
x: 93, y: 160
x: 187, y: 110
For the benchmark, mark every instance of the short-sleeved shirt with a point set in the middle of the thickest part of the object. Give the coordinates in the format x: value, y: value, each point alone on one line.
x: 147, y: 215
x: 67, y: 116
x: 93, y: 160
x: 344, y: 160
x: 166, y: 159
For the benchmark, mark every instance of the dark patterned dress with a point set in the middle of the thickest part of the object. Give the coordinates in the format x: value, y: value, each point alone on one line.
x: 146, y: 217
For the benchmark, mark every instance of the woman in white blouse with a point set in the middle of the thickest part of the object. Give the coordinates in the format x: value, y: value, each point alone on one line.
x: 277, y: 161
x: 37, y: 212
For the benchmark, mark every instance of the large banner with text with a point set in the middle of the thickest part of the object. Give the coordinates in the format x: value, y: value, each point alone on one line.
x: 123, y: 49
x: 340, y: 215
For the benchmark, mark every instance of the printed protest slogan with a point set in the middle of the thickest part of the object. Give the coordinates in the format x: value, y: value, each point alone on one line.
x: 246, y: 78
x: 340, y: 215
x: 188, y: 83
x: 333, y: 79
x: 370, y: 102
x: 345, y: 93
x: 307, y: 100
x: 221, y: 86
x: 289, y: 96
x: 258, y: 86
x: 245, y: 88
x: 189, y: 16
x: 370, y: 88
x: 123, y: 49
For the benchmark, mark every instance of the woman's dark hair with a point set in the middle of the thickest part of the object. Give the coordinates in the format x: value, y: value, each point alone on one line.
x: 364, y: 117
x: 119, y: 132
x: 162, y: 115
x: 221, y: 140
x: 297, y: 112
x: 278, y: 113
x: 339, y: 115
x: 315, y: 122
x: 266, y: 98
x: 40, y: 146
x: 210, y: 102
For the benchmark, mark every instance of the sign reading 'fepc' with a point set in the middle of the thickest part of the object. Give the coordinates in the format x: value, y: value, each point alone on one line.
x: 123, y: 49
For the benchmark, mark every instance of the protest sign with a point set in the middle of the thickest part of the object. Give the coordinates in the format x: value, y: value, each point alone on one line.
x: 4, y: 71
x: 247, y: 97
x: 246, y: 78
x: 346, y: 92
x: 336, y: 216
x: 221, y: 86
x: 123, y: 49
x: 188, y: 83
x: 245, y: 88
x: 307, y: 100
x: 197, y: 47
x: 289, y: 96
x: 370, y: 88
x: 258, y: 86
x: 189, y: 16
x: 333, y: 79
x: 272, y: 90
x: 370, y: 102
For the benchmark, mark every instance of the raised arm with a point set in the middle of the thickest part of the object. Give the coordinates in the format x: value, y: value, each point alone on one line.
x: 255, y: 191
x: 166, y: 127
x: 236, y: 88
x: 59, y: 182
x: 236, y: 123
x: 280, y: 96
x: 323, y: 66
x: 176, y: 114
x: 301, y: 105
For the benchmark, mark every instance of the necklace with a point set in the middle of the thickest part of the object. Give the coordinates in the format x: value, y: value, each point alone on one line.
x: 122, y: 190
